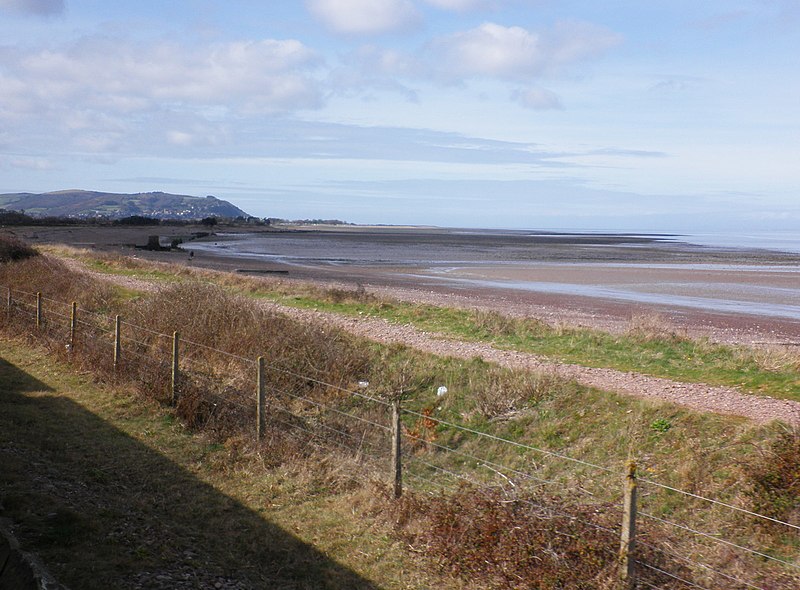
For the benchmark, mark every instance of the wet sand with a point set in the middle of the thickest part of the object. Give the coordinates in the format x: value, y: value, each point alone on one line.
x: 600, y: 280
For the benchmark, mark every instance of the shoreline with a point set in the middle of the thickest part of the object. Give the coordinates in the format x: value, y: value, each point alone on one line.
x: 588, y: 266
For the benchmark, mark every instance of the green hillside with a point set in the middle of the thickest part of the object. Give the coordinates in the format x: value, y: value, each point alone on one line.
x: 84, y: 204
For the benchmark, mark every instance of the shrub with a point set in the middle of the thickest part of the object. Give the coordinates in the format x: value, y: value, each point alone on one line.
x: 12, y: 249
x: 57, y: 281
x: 509, y: 542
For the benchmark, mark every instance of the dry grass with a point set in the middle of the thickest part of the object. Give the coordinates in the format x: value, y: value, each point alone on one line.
x: 502, y: 396
x: 775, y: 478
x: 652, y: 327
x: 55, y: 280
x: 520, y: 540
x: 313, y: 361
x: 777, y: 358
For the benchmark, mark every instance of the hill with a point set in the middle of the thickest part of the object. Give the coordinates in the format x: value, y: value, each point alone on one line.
x: 85, y: 204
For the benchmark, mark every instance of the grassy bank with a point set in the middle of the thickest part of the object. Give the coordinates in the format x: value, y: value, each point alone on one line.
x: 650, y: 346
x: 114, y: 491
x: 548, y: 447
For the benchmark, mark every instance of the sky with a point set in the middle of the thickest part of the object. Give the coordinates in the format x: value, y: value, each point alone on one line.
x: 640, y: 115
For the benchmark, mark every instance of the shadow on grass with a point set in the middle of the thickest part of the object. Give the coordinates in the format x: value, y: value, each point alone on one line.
x: 105, y: 511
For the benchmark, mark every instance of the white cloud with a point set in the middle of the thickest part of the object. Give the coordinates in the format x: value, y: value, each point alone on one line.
x: 492, y: 50
x: 113, y: 76
x: 537, y: 99
x: 38, y: 7
x: 457, y: 5
x: 35, y: 164
x: 515, y: 53
x: 364, y: 17
x: 373, y: 68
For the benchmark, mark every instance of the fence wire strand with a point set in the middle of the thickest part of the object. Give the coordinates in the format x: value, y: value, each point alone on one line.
x: 328, y: 408
x: 718, y: 539
x: 510, y: 442
x: 699, y: 564
x: 279, y: 369
x: 481, y: 462
x: 29, y: 309
x: 668, y: 574
x: 719, y: 503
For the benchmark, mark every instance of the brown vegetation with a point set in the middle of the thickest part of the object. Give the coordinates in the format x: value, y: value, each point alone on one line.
x: 12, y: 250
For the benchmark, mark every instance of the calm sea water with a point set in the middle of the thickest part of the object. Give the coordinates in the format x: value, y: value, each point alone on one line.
x: 783, y: 241
x: 779, y: 240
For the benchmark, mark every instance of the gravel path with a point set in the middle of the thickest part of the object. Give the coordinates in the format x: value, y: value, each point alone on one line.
x: 698, y: 396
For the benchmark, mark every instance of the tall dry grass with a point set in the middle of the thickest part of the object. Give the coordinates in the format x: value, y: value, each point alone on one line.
x: 54, y: 279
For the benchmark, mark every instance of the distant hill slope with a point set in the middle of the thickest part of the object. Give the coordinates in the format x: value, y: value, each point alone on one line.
x: 80, y: 203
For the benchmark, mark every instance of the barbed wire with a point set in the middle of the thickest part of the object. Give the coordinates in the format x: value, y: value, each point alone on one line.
x: 314, y: 435
x: 222, y: 352
x: 138, y: 327
x: 360, y: 441
x: 130, y: 339
x: 94, y: 326
x: 50, y: 312
x: 56, y: 301
x: 104, y: 316
x: 445, y: 471
x: 21, y: 292
x: 25, y: 304
x: 21, y: 305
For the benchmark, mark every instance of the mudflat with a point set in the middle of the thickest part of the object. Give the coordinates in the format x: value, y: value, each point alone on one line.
x: 594, y: 279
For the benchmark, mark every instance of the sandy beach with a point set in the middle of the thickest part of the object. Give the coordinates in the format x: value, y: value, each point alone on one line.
x: 598, y: 280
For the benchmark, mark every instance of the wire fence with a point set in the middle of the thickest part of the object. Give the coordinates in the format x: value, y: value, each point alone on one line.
x: 421, y: 452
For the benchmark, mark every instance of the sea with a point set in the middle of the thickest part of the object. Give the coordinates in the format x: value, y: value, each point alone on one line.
x: 748, y: 273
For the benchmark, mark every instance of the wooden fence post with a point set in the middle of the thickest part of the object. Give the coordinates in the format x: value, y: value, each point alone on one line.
x: 8, y: 303
x: 38, y: 309
x: 627, y: 572
x: 73, y: 320
x: 117, y: 343
x: 261, y: 416
x: 175, y: 368
x: 397, y: 464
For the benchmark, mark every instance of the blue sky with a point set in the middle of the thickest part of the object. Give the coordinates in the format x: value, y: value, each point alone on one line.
x: 636, y: 115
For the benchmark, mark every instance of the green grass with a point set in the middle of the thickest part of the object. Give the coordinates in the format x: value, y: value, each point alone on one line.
x: 142, y: 273
x: 106, y: 486
x: 668, y: 356
x: 662, y: 355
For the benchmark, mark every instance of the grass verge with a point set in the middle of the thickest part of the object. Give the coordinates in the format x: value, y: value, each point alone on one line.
x: 114, y: 492
x: 660, y: 352
x: 649, y: 346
